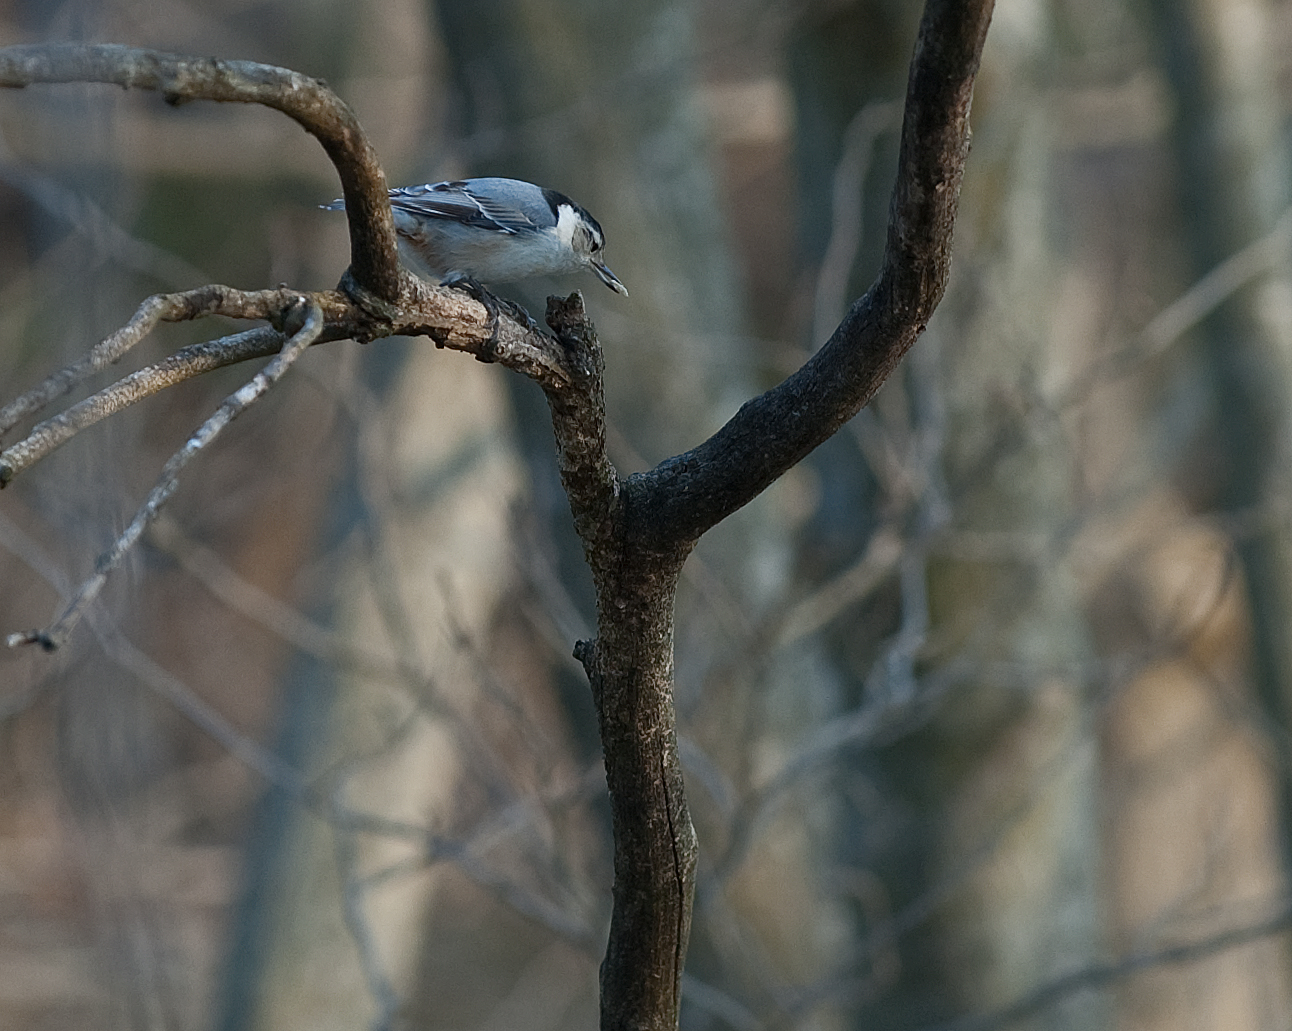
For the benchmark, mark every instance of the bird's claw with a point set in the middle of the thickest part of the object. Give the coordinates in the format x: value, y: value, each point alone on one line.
x: 518, y: 313
x: 494, y: 306
x: 474, y: 289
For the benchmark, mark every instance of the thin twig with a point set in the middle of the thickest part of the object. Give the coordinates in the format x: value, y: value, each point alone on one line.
x: 279, y: 618
x: 152, y: 311
x: 201, y: 714
x: 104, y: 235
x: 185, y: 306
x: 859, y: 728
x: 380, y: 987
x: 719, y: 1004
x: 809, y: 615
x: 185, y: 364
x: 234, y: 405
x: 848, y: 219
x: 1190, y: 308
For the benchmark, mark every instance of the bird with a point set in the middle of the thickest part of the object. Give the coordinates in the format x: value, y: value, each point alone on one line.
x: 469, y: 232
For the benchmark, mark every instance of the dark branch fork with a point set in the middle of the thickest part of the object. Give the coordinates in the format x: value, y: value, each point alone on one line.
x: 636, y: 532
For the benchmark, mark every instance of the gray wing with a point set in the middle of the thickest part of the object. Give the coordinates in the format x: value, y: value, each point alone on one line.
x: 494, y: 204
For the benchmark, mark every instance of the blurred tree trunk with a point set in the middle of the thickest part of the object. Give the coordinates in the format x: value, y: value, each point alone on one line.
x: 294, y: 955
x: 1231, y: 149
x: 1013, y: 769
x: 993, y: 873
x: 1217, y: 628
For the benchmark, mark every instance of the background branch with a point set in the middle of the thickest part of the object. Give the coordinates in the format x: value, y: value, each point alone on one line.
x: 234, y: 405
x: 1101, y: 975
x: 184, y: 364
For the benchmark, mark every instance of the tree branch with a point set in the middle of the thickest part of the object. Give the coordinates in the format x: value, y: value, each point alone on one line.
x: 684, y: 496
x: 1100, y: 975
x: 308, y: 101
x: 234, y: 405
x: 637, y: 533
x: 184, y: 364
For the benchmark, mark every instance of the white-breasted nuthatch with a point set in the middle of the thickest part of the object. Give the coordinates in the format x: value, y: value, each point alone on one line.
x: 494, y: 231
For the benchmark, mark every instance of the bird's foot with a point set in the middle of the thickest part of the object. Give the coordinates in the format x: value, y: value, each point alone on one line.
x: 518, y: 313
x: 494, y: 307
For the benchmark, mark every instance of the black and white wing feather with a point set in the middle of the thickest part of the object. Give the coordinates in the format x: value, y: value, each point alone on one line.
x: 456, y: 201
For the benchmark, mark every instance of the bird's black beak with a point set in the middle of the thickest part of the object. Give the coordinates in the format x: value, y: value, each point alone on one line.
x: 609, y: 278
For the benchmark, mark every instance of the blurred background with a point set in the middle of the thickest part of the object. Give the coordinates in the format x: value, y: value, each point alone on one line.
x: 985, y: 709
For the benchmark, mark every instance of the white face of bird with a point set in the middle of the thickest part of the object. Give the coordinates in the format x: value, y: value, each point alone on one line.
x: 575, y: 232
x: 580, y: 232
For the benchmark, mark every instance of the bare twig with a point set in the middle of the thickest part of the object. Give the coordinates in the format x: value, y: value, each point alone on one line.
x: 451, y: 319
x: 346, y: 821
x: 859, y: 728
x: 152, y: 311
x: 855, y: 583
x: 104, y: 235
x: 279, y: 618
x: 201, y: 714
x: 233, y: 406
x: 178, y: 307
x: 1190, y: 308
x: 465, y: 856
x: 847, y: 221
x: 380, y: 987
x: 185, y: 364
x: 719, y: 1004
x: 380, y: 299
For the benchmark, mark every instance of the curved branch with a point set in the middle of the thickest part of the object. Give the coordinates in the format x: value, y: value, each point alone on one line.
x: 308, y: 101
x: 684, y: 496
